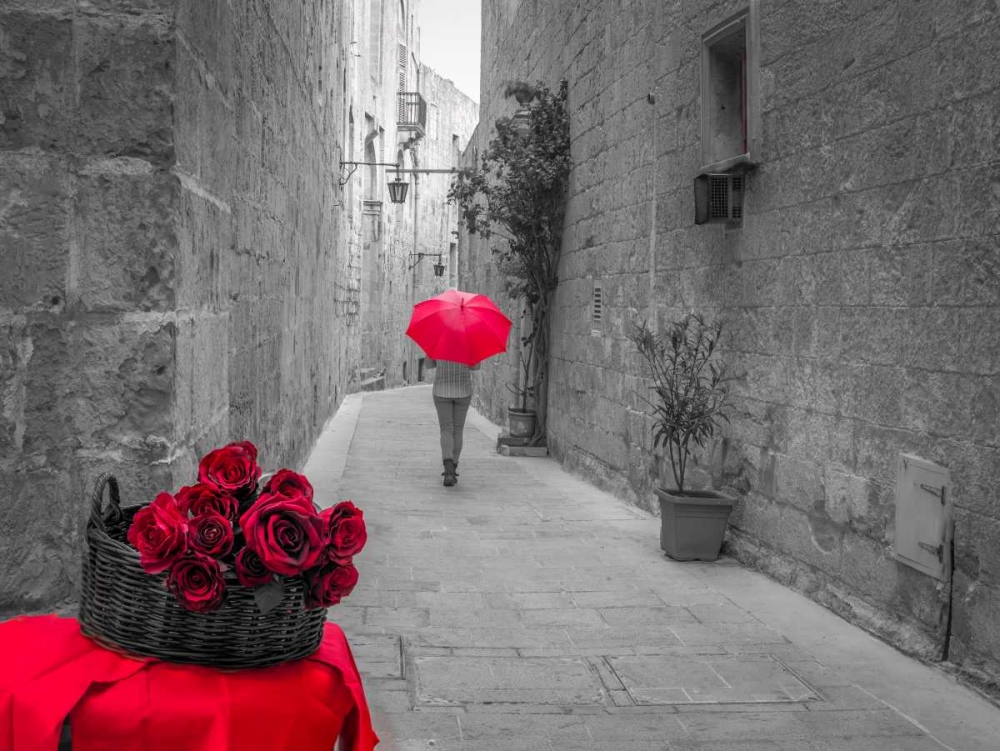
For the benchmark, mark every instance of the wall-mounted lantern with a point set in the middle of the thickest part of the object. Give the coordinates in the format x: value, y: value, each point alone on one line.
x: 397, y: 190
x: 438, y: 267
x: 524, y: 93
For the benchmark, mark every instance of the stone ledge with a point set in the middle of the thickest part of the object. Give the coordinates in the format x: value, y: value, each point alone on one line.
x: 508, y: 445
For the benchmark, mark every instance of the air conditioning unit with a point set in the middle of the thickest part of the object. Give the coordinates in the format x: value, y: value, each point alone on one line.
x: 718, y: 198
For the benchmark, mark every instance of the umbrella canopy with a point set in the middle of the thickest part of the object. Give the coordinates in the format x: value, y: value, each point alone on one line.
x: 459, y: 326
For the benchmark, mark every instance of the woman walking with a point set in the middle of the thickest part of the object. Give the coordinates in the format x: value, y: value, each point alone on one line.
x: 457, y: 330
x: 452, y: 396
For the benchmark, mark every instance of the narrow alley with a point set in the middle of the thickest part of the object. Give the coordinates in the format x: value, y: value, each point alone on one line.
x: 526, y: 609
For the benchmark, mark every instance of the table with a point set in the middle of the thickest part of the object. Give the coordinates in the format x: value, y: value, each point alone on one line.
x: 50, y: 672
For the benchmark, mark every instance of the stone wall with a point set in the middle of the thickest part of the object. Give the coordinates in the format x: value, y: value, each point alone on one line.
x: 861, y: 291
x: 168, y: 238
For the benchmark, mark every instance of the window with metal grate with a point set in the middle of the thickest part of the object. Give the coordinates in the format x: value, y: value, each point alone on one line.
x: 597, y: 314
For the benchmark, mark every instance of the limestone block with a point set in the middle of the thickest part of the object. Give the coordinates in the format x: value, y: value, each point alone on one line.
x: 124, y: 382
x: 902, y: 275
x: 125, y: 87
x: 922, y: 597
x: 902, y: 150
x: 871, y: 335
x: 811, y: 538
x: 869, y: 569
x: 49, y: 377
x: 974, y: 619
x: 976, y: 193
x: 131, y: 7
x: 39, y: 539
x: 878, y: 449
x: 975, y: 470
x: 125, y: 226
x: 976, y: 551
x: 202, y: 366
x: 206, y: 148
x: 971, y: 68
x: 758, y: 517
x: 205, y: 261
x: 975, y: 130
x: 931, y: 336
x: 798, y: 482
x: 15, y: 354
x: 845, y: 496
x: 930, y: 209
x: 142, y: 474
x: 37, y: 78
x: 34, y: 252
x: 863, y: 391
x: 210, y: 32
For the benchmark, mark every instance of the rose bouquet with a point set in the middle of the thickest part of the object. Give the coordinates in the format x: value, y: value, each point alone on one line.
x: 225, y: 522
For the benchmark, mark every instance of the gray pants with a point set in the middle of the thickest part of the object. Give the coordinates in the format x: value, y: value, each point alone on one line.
x: 451, y: 419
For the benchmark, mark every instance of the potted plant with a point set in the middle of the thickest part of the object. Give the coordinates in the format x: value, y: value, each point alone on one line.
x: 517, y: 192
x: 690, y: 400
x: 521, y: 414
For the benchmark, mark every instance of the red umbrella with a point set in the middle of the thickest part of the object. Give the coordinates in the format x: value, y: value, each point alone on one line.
x: 459, y: 326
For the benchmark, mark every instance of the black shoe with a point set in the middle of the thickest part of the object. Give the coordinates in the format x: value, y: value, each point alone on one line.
x: 449, y: 472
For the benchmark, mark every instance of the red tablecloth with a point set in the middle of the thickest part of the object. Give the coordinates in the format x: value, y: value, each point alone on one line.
x: 49, y: 671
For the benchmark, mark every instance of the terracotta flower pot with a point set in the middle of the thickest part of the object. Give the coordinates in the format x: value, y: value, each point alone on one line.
x: 522, y: 423
x: 693, y: 524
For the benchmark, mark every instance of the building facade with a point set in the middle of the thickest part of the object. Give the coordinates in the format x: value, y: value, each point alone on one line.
x: 400, y: 112
x: 191, y: 251
x: 172, y: 229
x: 822, y: 178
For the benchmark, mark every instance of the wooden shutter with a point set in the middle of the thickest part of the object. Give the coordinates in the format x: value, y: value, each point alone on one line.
x: 400, y: 99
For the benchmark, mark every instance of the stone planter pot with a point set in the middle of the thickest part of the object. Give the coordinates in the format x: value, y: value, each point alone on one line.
x: 693, y: 525
x: 521, y: 422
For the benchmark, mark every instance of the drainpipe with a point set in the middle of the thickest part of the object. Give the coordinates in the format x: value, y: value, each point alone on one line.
x: 413, y: 271
x: 650, y: 315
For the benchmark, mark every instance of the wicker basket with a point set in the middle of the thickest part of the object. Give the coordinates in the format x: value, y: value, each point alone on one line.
x: 124, y: 608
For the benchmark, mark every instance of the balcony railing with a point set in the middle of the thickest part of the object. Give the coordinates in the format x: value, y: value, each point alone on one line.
x: 411, y: 112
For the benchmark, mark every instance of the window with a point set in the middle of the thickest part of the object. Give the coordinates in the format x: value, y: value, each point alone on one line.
x: 372, y: 192
x: 729, y: 75
x: 432, y: 122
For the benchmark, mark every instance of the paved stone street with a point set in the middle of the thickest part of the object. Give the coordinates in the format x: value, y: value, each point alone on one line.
x: 525, y: 609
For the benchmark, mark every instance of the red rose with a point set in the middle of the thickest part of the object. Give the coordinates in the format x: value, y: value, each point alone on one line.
x: 329, y: 584
x: 292, y: 484
x: 203, y: 498
x: 250, y: 569
x: 286, y: 533
x: 196, y: 581
x: 232, y: 469
x: 211, y: 534
x: 159, y: 533
x: 346, y: 533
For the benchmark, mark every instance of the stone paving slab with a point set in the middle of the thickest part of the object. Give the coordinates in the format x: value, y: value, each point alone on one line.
x: 723, y: 679
x: 525, y: 609
x: 467, y: 681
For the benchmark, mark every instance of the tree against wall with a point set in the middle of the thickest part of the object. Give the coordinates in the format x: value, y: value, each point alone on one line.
x: 518, y: 193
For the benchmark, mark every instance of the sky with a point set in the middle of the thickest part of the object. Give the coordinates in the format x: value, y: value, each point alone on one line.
x: 449, y: 41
